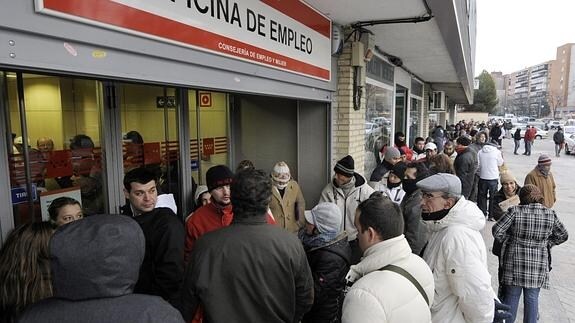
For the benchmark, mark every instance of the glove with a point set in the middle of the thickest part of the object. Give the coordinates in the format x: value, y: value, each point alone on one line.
x: 502, y: 312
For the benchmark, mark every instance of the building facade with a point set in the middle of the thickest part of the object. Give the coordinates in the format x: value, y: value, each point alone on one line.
x: 562, y: 83
x: 526, y: 91
x: 181, y: 86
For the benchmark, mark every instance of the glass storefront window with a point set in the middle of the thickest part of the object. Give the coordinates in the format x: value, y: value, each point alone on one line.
x: 414, y: 120
x: 63, y: 153
x: 149, y: 133
x: 378, y: 119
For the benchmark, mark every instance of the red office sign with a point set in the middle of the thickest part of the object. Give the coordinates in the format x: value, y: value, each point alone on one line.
x: 286, y: 35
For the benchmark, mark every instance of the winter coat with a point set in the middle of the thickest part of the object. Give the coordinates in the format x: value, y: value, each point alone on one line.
x: 347, y: 204
x: 500, y: 197
x: 517, y: 134
x: 495, y: 133
x: 545, y: 184
x: 530, y: 134
x: 95, y: 265
x: 558, y: 138
x: 465, y: 167
x: 162, y: 271
x: 526, y: 232
x: 385, y: 296
x: 288, y: 210
x: 457, y: 256
x: 414, y: 228
x: 380, y: 172
x: 329, y: 264
x: 489, y: 159
x: 249, y: 271
x: 395, y: 194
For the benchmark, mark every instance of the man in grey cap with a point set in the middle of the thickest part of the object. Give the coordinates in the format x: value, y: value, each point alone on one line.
x: 456, y: 252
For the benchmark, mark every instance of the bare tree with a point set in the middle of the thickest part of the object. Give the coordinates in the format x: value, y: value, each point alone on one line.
x: 555, y: 101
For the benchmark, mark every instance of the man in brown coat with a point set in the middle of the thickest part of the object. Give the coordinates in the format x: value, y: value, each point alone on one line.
x: 542, y: 177
x: 287, y: 204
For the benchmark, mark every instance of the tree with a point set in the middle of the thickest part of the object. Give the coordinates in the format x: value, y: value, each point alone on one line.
x: 484, y: 98
x: 555, y: 100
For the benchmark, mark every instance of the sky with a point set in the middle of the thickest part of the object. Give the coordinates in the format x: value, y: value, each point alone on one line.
x: 514, y: 34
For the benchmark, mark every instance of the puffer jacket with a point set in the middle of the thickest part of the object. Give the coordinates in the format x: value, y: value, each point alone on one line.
x: 347, y: 204
x: 95, y: 265
x: 385, y: 296
x: 489, y: 159
x: 329, y: 264
x: 457, y: 256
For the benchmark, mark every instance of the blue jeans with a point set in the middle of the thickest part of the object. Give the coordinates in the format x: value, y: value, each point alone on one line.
x: 530, y: 302
x: 517, y: 143
x: 528, y: 144
x: 485, y: 187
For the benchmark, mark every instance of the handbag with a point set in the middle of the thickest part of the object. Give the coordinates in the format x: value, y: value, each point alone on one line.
x: 408, y: 276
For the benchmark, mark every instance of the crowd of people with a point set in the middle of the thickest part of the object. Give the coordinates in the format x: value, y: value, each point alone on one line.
x: 404, y: 245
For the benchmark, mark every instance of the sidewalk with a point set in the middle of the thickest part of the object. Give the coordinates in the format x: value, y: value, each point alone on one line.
x: 556, y: 305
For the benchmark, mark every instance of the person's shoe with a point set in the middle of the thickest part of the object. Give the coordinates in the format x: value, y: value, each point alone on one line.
x: 515, y: 154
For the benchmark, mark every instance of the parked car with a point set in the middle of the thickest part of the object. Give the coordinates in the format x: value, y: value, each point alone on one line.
x: 569, y: 144
x: 382, y: 121
x: 554, y: 124
x: 372, y: 131
x: 541, y: 134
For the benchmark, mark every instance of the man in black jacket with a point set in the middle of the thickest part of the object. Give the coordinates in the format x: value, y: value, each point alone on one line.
x: 329, y: 256
x: 559, y: 139
x: 249, y: 271
x: 162, y: 271
x: 465, y: 164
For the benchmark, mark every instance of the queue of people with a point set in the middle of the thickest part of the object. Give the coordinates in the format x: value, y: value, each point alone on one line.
x: 404, y: 246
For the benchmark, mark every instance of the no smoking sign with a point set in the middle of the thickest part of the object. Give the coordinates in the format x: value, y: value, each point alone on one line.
x: 205, y: 99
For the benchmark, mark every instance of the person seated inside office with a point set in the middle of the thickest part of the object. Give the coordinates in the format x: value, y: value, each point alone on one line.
x: 134, y: 153
x: 64, y: 210
x: 86, y: 174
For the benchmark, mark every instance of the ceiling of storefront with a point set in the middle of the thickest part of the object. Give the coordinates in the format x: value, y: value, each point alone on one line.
x: 420, y: 46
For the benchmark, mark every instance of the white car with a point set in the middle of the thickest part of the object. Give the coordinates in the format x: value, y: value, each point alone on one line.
x: 569, y: 144
x: 371, y: 127
x: 556, y: 124
x: 541, y: 134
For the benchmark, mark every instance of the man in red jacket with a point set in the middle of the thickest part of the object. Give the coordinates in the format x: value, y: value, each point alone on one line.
x: 529, y: 136
x: 217, y: 214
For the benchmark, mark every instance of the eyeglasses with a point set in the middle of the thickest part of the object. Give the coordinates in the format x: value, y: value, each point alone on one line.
x: 429, y: 196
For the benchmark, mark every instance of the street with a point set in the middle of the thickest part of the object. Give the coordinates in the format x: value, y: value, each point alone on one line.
x: 557, y: 304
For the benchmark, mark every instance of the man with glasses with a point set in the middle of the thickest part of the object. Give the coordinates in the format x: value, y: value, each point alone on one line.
x: 456, y: 252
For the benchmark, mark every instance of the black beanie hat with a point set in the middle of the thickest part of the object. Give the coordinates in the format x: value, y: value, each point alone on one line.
x: 399, y: 170
x: 345, y: 166
x: 218, y: 176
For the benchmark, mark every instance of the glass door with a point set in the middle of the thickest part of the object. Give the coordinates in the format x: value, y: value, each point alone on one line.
x: 150, y: 133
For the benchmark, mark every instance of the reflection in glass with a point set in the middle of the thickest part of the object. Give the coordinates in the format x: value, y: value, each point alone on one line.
x: 378, y: 118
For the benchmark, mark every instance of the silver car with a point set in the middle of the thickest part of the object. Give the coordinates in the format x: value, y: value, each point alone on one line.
x: 570, y: 143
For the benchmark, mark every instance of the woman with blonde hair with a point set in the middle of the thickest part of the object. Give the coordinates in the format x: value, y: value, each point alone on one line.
x: 24, y: 269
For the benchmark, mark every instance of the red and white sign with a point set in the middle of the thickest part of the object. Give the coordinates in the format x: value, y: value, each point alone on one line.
x: 205, y: 99
x: 287, y: 35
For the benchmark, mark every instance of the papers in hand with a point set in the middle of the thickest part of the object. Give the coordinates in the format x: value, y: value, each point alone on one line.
x: 509, y: 203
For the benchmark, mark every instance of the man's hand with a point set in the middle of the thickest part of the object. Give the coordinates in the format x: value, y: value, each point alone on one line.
x: 502, y: 312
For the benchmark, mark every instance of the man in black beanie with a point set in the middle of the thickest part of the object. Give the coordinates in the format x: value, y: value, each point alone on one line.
x: 218, y: 213
x: 347, y: 190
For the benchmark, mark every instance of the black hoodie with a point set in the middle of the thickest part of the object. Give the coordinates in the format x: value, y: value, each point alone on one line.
x: 95, y: 264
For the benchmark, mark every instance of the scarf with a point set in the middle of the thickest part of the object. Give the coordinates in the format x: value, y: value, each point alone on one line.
x: 315, y: 240
x: 434, y: 216
x: 391, y: 185
x: 409, y: 185
x: 543, y: 171
x: 346, y: 188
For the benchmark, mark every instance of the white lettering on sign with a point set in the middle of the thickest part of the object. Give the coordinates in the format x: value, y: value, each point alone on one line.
x: 288, y: 35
